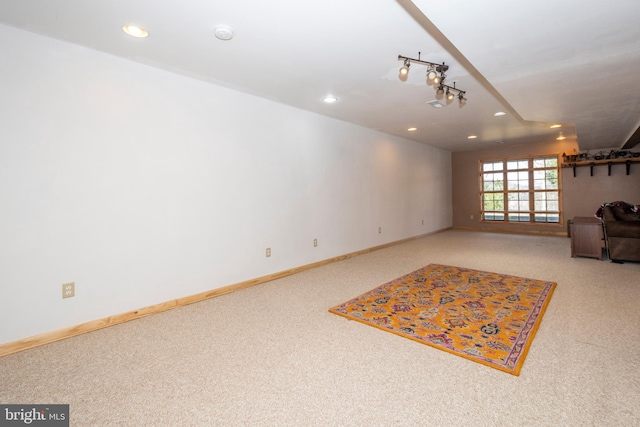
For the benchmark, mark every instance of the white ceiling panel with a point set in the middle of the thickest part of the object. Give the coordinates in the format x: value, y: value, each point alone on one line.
x: 543, y: 62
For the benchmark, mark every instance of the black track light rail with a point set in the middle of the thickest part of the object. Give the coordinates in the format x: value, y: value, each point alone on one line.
x: 440, y: 68
x: 452, y: 88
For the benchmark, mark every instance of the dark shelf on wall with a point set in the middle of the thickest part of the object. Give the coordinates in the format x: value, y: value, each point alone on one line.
x: 609, y: 162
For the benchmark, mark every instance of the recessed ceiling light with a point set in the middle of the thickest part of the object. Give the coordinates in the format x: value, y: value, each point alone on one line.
x: 435, y: 103
x: 499, y: 113
x: 561, y: 137
x: 135, y: 31
x: 329, y: 99
x: 223, y: 32
x: 555, y: 126
x: 472, y: 136
x: 412, y: 129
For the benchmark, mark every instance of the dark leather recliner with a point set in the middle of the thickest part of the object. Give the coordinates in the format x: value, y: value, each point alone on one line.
x: 622, y: 231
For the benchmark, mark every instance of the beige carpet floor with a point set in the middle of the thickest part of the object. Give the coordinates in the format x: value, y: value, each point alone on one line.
x: 272, y: 355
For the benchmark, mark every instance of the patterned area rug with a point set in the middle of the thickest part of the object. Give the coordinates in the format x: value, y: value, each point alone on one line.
x: 486, y: 317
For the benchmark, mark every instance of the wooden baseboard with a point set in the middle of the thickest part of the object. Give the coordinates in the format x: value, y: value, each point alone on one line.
x: 72, y: 331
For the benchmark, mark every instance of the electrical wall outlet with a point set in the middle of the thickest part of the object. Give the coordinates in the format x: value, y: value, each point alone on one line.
x: 68, y: 290
x: 470, y: 216
x: 379, y: 229
x: 315, y: 243
x: 268, y: 252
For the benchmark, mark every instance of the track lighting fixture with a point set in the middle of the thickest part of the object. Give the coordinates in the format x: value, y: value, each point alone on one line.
x: 435, y: 73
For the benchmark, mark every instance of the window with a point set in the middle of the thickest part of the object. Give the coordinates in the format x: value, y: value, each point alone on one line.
x: 524, y: 190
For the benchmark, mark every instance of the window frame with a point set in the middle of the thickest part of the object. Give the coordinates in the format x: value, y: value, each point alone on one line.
x: 530, y: 191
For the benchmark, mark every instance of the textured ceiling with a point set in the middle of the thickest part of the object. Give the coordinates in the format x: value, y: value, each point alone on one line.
x: 570, y: 62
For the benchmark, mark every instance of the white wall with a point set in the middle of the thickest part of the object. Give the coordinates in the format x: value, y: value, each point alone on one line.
x: 142, y: 186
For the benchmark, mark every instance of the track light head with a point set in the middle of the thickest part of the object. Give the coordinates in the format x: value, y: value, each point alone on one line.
x: 404, y: 70
x: 450, y: 95
x: 440, y: 79
x: 431, y: 73
x: 440, y: 90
